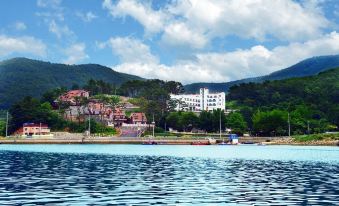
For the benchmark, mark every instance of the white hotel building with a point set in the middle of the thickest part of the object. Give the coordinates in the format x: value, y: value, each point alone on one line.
x: 198, y: 102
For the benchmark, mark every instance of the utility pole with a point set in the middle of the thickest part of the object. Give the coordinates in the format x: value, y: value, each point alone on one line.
x: 153, y: 123
x: 7, y: 124
x: 220, y: 123
x: 89, y: 125
x: 289, y: 124
x: 308, y: 127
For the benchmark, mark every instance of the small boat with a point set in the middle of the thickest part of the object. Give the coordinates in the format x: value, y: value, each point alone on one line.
x: 261, y: 144
x: 200, y: 143
x: 247, y: 143
x: 224, y: 143
x: 150, y: 143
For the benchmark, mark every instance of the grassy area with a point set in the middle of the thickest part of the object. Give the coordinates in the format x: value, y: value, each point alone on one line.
x: 316, y: 137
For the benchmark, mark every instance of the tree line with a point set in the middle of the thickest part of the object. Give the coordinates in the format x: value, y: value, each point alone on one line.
x: 309, y: 104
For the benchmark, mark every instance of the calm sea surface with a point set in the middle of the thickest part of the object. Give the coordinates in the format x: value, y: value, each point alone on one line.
x: 171, y: 175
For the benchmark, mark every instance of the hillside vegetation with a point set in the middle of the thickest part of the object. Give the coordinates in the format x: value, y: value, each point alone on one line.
x: 20, y: 77
x: 313, y: 102
x: 307, y: 67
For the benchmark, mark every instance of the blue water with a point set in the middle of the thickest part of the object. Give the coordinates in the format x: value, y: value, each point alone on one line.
x: 168, y: 175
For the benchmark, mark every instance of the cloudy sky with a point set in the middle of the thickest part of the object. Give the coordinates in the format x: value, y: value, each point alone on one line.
x: 183, y: 40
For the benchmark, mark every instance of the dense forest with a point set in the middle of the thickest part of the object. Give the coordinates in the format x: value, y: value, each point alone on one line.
x: 20, y: 77
x: 311, y: 102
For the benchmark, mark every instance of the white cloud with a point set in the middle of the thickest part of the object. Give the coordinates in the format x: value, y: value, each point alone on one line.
x: 75, y: 53
x: 178, y: 34
x: 229, y: 66
x: 152, y: 20
x: 20, y: 26
x: 48, y: 3
x: 24, y: 45
x: 194, y: 23
x: 129, y: 50
x: 86, y: 17
x: 60, y: 31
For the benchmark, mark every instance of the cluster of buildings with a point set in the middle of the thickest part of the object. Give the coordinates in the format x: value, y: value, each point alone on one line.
x: 198, y: 102
x: 135, y: 123
x: 98, y: 110
x: 78, y: 110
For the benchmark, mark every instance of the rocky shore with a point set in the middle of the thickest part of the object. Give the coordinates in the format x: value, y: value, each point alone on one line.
x: 291, y: 141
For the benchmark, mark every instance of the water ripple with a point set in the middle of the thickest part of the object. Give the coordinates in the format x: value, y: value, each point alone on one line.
x: 92, y: 179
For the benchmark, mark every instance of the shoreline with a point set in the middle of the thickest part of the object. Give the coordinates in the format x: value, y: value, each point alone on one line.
x: 165, y: 141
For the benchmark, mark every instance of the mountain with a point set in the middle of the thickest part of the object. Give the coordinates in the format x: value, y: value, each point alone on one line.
x: 20, y: 77
x: 306, y: 67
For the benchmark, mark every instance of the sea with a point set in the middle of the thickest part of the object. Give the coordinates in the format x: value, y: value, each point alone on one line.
x: 90, y: 174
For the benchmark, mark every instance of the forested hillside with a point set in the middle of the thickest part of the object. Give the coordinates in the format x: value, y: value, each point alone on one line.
x: 306, y: 67
x: 311, y: 101
x: 20, y: 77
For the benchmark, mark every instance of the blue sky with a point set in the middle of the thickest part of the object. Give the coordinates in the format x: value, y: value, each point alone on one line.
x: 188, y: 40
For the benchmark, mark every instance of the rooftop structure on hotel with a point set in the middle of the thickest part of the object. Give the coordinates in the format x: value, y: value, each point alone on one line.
x: 198, y: 102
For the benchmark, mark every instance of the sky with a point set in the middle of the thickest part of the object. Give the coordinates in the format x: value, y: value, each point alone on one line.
x: 182, y: 40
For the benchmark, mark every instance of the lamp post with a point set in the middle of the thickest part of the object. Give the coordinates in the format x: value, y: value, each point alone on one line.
x: 7, y: 124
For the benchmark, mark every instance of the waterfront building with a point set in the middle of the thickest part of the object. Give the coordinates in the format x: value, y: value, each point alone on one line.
x: 31, y: 129
x: 197, y: 102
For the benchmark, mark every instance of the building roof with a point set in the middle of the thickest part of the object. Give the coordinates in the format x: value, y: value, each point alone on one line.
x: 68, y: 96
x: 138, y: 116
x: 34, y: 125
x: 119, y: 112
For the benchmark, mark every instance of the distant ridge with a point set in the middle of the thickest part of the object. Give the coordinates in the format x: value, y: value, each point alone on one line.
x: 20, y: 77
x: 307, y: 67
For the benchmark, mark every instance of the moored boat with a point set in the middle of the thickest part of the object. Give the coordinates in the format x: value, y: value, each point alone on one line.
x: 200, y: 143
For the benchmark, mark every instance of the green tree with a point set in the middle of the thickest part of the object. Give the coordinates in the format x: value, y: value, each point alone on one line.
x: 236, y: 122
x: 52, y: 95
x: 31, y: 110
x: 172, y: 120
x: 218, y: 117
x: 2, y: 128
x: 206, y: 121
x: 270, y: 123
x: 188, y: 121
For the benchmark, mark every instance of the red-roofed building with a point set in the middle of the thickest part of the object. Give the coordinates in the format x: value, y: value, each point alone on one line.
x: 70, y: 96
x: 30, y: 129
x: 138, y: 118
x: 119, y: 117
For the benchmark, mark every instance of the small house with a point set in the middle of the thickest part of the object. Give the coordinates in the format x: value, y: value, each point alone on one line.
x: 138, y: 118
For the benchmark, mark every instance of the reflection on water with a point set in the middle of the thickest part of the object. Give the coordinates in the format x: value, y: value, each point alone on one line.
x: 55, y: 178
